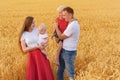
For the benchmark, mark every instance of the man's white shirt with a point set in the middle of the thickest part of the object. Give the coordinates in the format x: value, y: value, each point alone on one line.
x: 72, y: 32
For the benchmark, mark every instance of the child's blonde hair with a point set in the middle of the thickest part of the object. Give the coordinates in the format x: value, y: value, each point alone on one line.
x: 42, y: 26
x: 60, y: 8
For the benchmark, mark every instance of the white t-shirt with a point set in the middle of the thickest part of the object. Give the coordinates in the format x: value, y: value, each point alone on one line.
x: 42, y: 37
x: 73, y: 33
x: 31, y: 38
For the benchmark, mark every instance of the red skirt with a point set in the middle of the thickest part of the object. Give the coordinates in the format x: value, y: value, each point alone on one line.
x: 38, y: 66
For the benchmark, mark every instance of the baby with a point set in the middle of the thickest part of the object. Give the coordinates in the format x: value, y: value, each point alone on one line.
x: 43, y: 39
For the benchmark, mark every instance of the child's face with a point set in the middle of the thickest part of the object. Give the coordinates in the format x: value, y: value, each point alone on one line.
x: 60, y: 14
x: 42, y: 30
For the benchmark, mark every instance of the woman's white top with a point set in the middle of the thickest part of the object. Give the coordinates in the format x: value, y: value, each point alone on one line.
x: 42, y: 38
x: 31, y: 38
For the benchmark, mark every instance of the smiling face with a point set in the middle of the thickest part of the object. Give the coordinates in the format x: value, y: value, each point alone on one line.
x: 60, y: 14
x: 60, y: 9
x: 32, y: 25
x: 42, y: 29
x: 29, y: 24
x: 67, y: 15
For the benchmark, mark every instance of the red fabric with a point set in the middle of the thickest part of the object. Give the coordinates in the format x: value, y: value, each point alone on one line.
x: 38, y: 66
x: 62, y: 24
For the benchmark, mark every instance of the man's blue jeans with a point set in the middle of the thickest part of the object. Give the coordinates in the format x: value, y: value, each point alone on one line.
x: 66, y: 60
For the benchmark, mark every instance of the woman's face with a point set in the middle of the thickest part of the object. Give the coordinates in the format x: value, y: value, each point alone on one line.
x: 32, y: 25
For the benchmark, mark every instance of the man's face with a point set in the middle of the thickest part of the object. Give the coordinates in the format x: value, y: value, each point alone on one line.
x: 66, y: 15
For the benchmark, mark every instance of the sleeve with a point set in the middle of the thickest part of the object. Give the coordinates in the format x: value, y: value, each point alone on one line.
x: 22, y: 37
x: 69, y: 31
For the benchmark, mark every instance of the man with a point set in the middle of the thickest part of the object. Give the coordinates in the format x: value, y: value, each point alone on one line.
x: 70, y: 39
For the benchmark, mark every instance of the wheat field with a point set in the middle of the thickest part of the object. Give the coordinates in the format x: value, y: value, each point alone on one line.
x: 98, y: 52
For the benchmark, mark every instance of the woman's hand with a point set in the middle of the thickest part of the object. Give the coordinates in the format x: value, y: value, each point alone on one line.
x: 25, y: 48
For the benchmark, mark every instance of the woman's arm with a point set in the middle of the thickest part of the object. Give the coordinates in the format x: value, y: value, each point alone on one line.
x: 27, y: 49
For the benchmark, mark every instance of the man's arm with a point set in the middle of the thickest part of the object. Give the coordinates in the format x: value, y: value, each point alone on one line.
x: 60, y: 35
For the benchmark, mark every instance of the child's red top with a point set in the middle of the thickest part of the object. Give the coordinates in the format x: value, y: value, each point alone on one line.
x: 62, y: 24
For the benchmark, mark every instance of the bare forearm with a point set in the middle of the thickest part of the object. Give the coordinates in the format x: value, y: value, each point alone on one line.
x: 27, y: 49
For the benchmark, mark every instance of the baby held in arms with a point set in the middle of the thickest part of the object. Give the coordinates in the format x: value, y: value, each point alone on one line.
x: 43, y: 39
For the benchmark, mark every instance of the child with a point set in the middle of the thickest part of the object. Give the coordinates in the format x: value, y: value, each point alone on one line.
x: 62, y: 26
x: 43, y: 39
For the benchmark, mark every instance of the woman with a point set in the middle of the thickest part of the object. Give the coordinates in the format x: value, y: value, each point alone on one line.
x: 38, y: 66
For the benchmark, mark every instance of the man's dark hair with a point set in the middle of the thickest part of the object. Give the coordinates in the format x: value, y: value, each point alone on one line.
x: 69, y: 10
